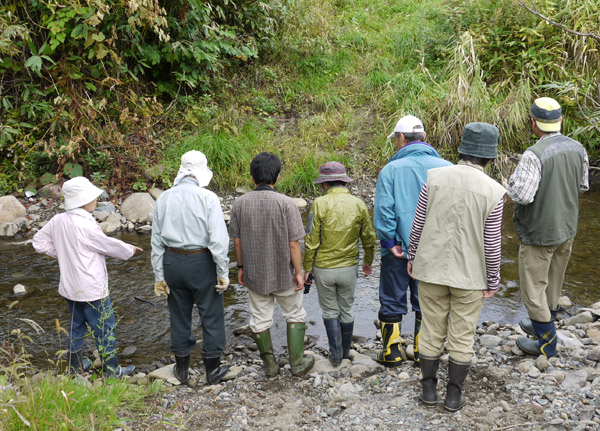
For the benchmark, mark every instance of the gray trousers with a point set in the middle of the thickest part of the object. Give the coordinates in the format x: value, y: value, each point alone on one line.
x: 336, y: 291
x: 192, y: 280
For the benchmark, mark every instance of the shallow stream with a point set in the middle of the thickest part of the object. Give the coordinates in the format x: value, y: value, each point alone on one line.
x: 146, y: 326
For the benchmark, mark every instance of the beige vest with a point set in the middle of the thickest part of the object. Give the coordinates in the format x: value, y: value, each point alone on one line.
x: 451, y: 249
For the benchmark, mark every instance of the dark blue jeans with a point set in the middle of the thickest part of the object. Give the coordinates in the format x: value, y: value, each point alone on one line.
x: 394, y: 282
x: 100, y: 317
x: 192, y: 279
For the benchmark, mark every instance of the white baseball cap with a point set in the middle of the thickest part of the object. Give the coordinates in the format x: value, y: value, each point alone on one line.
x: 194, y: 163
x: 79, y: 191
x: 408, y: 124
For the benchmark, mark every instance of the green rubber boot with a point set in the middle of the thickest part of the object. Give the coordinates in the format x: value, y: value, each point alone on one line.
x: 299, y: 362
x: 265, y: 347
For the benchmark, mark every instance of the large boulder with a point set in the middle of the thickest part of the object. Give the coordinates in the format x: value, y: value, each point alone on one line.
x: 10, y: 209
x: 138, y: 207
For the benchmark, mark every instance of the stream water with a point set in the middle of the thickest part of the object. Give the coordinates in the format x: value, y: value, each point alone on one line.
x: 146, y: 326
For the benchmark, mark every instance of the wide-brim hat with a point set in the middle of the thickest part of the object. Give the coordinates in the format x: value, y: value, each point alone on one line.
x: 194, y: 163
x: 547, y: 114
x: 79, y: 191
x: 479, y: 140
x: 332, y: 171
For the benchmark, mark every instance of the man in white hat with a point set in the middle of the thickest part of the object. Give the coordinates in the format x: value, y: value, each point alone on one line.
x: 77, y: 241
x: 545, y: 188
x: 189, y: 258
x: 396, y: 195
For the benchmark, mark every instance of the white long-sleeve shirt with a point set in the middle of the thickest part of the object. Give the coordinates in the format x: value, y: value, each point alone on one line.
x: 77, y: 241
x: 189, y: 217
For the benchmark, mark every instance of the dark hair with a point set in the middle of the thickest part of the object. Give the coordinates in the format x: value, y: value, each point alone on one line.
x: 265, y: 168
x: 477, y: 160
x: 414, y: 136
x: 337, y: 183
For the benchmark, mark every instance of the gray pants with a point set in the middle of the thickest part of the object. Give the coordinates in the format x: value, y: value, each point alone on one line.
x: 192, y: 280
x: 336, y: 291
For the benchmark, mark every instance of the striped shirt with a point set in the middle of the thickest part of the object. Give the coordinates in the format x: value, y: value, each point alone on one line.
x: 492, y: 238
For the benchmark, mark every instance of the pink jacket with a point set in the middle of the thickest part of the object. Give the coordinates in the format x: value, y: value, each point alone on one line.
x: 80, y: 246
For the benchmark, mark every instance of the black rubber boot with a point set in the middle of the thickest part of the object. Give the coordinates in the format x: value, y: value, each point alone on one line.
x: 527, y: 325
x: 429, y: 367
x: 391, y: 355
x: 334, y: 335
x: 214, y: 370
x: 265, y: 347
x: 112, y: 369
x: 181, y: 369
x: 417, y: 335
x: 77, y: 363
x: 347, y: 330
x: 457, y: 373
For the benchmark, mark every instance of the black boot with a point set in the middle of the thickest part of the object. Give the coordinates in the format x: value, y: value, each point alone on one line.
x: 347, y: 330
x: 457, y: 373
x: 214, y: 370
x: 334, y: 335
x: 429, y: 367
x: 391, y: 355
x: 77, y: 363
x: 417, y: 335
x: 181, y: 369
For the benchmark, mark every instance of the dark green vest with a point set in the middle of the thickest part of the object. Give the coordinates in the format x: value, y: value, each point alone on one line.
x: 551, y: 218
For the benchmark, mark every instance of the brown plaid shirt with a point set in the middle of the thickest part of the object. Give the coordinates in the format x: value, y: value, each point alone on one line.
x: 266, y: 222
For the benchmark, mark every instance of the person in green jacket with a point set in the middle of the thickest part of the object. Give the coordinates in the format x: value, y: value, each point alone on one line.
x: 337, y: 220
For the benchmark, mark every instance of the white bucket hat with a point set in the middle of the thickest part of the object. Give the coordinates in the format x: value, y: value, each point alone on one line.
x: 79, y: 191
x: 194, y: 163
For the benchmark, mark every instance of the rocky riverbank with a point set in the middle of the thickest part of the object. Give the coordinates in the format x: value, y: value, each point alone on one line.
x: 505, y: 390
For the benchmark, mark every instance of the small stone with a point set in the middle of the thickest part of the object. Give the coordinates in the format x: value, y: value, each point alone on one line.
x: 241, y: 190
x: 144, y: 229
x: 128, y: 351
x: 490, y: 341
x: 300, y: 203
x: 533, y: 372
x: 585, y: 317
x: 8, y: 230
x: 594, y: 355
x: 101, y: 215
x: 173, y: 381
x: 541, y: 363
x: 505, y: 406
x: 155, y: 192
x: 108, y: 207
x: 232, y: 373
x: 19, y: 289
x: 574, y: 380
x: 564, y: 302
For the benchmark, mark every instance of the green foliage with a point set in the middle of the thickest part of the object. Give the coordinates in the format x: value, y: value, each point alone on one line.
x: 86, y: 82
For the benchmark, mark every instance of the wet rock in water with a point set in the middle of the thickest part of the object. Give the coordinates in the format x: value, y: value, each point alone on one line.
x: 110, y: 228
x: 144, y: 229
x: 564, y: 302
x: 19, y: 289
x: 581, y: 318
x: 155, y: 192
x: 164, y: 373
x: 10, y: 209
x: 300, y: 202
x: 138, y: 207
x: 8, y: 230
x: 128, y: 351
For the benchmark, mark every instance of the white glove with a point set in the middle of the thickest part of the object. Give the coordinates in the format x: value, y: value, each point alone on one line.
x: 222, y: 285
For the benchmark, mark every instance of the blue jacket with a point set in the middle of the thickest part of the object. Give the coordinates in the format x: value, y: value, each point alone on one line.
x: 398, y: 187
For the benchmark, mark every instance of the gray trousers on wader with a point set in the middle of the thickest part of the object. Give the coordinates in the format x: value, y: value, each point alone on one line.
x: 192, y: 279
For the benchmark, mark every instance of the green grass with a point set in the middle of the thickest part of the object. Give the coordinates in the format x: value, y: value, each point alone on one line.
x: 342, y: 72
x: 61, y: 403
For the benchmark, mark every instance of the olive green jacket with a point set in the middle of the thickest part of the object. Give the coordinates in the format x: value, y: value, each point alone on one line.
x: 338, y: 221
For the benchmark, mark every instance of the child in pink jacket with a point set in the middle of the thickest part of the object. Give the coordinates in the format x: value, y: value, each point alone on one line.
x: 77, y: 241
